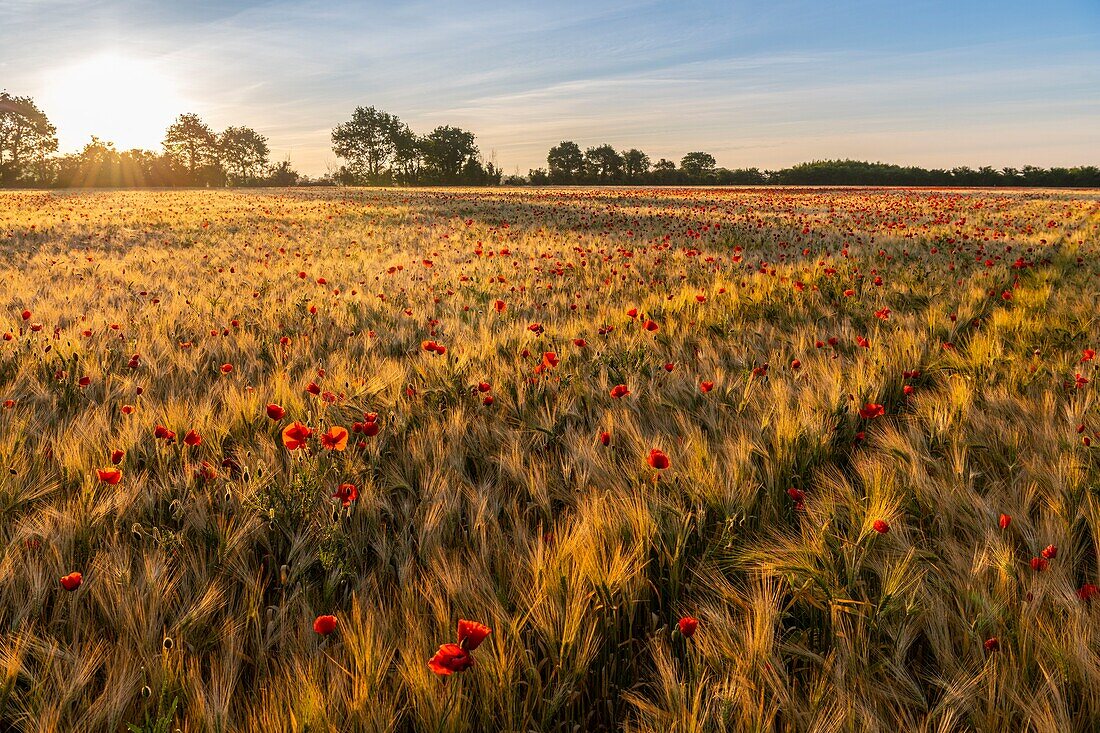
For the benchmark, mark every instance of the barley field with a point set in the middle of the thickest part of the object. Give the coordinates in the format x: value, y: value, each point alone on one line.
x: 677, y: 460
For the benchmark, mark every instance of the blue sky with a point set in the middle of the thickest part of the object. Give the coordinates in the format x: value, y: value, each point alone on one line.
x: 756, y: 83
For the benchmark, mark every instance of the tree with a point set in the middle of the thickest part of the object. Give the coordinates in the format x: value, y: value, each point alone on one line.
x: 192, y: 144
x: 244, y: 153
x: 664, y: 172
x: 283, y: 175
x: 697, y: 165
x: 26, y: 138
x: 408, y: 152
x: 603, y: 163
x: 635, y: 164
x: 366, y: 141
x: 538, y: 177
x: 566, y: 163
x: 449, y: 152
x: 97, y: 165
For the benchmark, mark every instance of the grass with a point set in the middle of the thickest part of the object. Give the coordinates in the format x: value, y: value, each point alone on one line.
x: 204, y: 567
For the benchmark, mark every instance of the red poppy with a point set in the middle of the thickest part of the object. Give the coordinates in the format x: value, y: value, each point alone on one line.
x: 1039, y: 564
x: 471, y: 634
x: 275, y: 412
x: 871, y: 411
x: 226, y: 368
x: 346, y: 493
x: 1050, y: 552
x: 705, y: 387
x: 162, y: 433
x: 117, y: 456
x: 500, y: 305
x: 549, y: 361
x: 192, y: 438
x: 336, y: 438
x: 687, y: 626
x: 657, y: 459
x: 1088, y: 355
x: 487, y: 400
x: 633, y: 312
x: 109, y: 475
x: 1087, y: 591
x: 127, y: 409
x: 324, y: 625
x: 295, y: 435
x: 797, y: 496
x: 483, y: 387
x: 26, y: 315
x: 991, y: 644
x: 881, y: 526
x: 580, y: 343
x: 619, y: 391
x: 369, y: 429
x: 432, y: 346
x: 1004, y: 521
x: 669, y: 366
x: 605, y: 438
x: 651, y: 326
x: 72, y: 581
x: 449, y: 659
x: 796, y: 364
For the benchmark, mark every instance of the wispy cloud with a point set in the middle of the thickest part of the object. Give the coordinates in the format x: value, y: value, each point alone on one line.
x: 756, y: 83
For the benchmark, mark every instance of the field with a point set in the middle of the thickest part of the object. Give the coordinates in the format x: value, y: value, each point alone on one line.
x: 878, y: 410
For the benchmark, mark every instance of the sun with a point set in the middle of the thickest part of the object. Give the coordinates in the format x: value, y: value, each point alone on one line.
x: 127, y: 101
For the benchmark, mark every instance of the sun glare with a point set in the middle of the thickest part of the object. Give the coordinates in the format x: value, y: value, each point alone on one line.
x: 127, y: 101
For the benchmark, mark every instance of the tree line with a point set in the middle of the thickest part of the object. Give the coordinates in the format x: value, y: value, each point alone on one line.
x: 377, y: 148
x: 567, y: 164
x: 192, y: 154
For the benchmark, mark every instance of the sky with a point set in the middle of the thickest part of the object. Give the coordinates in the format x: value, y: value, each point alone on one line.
x: 757, y: 84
